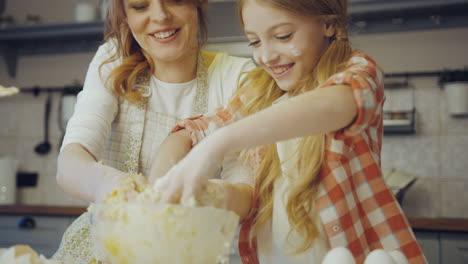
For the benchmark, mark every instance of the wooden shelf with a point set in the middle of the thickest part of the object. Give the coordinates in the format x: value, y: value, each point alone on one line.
x: 367, y: 16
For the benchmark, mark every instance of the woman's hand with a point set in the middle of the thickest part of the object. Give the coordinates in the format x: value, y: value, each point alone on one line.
x: 190, y: 175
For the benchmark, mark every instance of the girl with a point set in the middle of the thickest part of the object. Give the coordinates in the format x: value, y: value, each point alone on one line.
x: 318, y: 104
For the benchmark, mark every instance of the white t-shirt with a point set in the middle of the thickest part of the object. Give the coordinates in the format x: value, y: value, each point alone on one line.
x: 273, y: 241
x: 97, y: 107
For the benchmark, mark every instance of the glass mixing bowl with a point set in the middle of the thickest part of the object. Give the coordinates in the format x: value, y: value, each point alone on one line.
x: 136, y: 233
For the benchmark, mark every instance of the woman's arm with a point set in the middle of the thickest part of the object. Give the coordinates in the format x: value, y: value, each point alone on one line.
x: 80, y: 175
x: 87, y: 133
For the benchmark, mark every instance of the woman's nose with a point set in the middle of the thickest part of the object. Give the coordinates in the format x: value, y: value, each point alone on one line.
x: 159, y: 12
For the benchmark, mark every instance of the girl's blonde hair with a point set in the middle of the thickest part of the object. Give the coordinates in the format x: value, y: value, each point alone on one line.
x: 135, y: 60
x: 263, y: 90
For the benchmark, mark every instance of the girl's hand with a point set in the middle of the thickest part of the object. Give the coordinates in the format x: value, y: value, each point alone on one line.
x: 187, y: 178
x: 171, y: 151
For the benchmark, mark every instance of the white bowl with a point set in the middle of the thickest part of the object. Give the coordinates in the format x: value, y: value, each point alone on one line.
x: 131, y: 233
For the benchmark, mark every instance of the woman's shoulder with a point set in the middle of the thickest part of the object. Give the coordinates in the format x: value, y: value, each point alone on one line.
x: 105, y: 51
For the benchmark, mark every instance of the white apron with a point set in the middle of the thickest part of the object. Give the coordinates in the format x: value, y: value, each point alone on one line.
x: 129, y: 149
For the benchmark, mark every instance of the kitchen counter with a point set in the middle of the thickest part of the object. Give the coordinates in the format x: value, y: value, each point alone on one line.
x: 418, y: 223
x: 41, y: 210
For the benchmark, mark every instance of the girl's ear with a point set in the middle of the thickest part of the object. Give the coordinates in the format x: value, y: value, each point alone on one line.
x: 329, y: 29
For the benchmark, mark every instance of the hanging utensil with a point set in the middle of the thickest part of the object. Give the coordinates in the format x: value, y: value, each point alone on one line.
x: 44, y: 147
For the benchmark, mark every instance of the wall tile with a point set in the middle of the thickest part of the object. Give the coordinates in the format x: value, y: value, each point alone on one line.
x: 8, y: 146
x: 454, y: 197
x: 423, y: 198
x: 428, y: 106
x: 9, y: 120
x: 416, y: 155
x: 452, y: 125
x: 454, y: 159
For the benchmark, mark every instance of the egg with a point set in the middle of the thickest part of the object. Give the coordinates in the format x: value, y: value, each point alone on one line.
x: 379, y: 256
x: 398, y: 257
x: 339, y: 255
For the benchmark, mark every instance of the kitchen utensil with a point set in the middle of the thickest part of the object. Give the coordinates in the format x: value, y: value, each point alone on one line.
x: 44, y: 147
x: 8, y: 168
x: 135, y: 233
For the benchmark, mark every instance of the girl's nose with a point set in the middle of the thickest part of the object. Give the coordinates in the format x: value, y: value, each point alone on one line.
x: 269, y: 56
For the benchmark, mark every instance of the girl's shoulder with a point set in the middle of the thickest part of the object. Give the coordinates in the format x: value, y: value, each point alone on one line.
x: 361, y: 59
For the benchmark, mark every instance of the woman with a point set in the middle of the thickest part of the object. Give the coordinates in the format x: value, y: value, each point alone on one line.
x: 150, y: 74
x: 318, y: 104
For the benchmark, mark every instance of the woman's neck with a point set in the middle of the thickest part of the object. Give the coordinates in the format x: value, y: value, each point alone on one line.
x: 178, y: 71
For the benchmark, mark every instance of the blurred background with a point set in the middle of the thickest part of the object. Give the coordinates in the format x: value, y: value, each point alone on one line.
x: 421, y: 44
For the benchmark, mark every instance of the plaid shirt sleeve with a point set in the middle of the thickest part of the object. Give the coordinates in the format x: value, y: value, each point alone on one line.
x: 365, y: 77
x: 201, y: 126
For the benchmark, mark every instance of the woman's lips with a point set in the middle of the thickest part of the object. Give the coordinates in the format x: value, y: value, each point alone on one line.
x: 165, y: 36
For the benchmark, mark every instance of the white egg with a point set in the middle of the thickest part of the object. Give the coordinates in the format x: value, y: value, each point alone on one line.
x: 379, y: 256
x: 398, y: 257
x: 339, y: 255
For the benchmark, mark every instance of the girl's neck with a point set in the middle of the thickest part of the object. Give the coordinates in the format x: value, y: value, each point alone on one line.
x: 178, y: 71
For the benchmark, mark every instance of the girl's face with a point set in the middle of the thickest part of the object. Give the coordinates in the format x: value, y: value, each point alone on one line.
x: 287, y: 45
x: 166, y: 29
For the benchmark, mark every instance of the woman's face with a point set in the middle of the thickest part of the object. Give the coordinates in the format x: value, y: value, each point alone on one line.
x: 166, y: 29
x: 287, y: 45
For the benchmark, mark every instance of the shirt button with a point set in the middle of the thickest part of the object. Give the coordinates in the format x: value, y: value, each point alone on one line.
x: 335, y: 228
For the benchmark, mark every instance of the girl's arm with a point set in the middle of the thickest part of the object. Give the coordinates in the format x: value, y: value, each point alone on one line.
x: 347, y: 104
x: 316, y: 112
x: 175, y: 147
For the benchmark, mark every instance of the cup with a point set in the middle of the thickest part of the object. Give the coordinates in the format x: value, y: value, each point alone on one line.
x: 85, y: 12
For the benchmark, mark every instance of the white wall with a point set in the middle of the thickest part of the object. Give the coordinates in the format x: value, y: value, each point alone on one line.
x: 437, y: 154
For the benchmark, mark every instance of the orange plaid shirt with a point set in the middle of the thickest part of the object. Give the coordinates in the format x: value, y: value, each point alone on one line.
x: 355, y: 206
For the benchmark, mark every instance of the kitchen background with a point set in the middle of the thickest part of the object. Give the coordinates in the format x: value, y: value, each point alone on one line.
x: 437, y: 153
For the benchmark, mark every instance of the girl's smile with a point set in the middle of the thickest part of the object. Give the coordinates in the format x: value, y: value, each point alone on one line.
x: 281, y: 70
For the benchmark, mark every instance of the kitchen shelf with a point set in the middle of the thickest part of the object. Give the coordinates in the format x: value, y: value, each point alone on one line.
x: 366, y: 16
x: 401, y: 126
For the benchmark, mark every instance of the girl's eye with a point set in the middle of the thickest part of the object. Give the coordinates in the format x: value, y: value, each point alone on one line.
x: 285, y: 37
x: 254, y: 43
x: 138, y: 7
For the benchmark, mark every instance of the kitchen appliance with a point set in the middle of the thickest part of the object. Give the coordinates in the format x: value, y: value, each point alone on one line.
x: 8, y: 168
